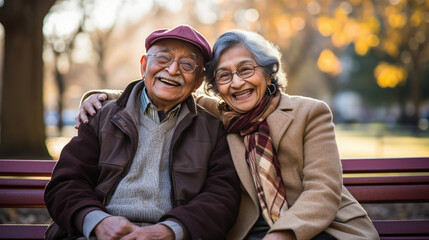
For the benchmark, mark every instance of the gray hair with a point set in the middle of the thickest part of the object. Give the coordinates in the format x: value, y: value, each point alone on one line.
x: 266, y: 54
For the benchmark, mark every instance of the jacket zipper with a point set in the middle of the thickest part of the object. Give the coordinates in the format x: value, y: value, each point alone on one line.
x: 127, y: 168
x: 173, y: 146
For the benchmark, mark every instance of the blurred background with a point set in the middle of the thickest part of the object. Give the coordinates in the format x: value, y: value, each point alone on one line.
x: 368, y: 59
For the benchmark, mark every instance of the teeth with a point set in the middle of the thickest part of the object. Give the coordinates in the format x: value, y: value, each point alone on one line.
x: 243, y: 94
x: 169, y: 82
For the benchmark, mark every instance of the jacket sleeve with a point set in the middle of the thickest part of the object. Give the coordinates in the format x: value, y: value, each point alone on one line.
x: 212, y: 213
x: 209, y: 103
x: 316, y: 207
x: 111, y: 94
x: 71, y: 188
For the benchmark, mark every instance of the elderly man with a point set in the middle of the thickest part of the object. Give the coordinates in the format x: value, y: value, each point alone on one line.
x: 152, y: 164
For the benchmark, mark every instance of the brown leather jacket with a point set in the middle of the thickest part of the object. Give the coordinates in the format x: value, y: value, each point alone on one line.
x: 205, y: 184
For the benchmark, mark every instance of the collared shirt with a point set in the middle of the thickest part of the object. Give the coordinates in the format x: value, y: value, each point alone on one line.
x: 149, y: 110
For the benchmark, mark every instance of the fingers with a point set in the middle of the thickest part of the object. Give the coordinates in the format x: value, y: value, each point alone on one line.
x: 153, y: 232
x: 93, y: 103
x: 89, y: 107
x: 113, y: 227
x: 83, y: 116
x: 102, y: 97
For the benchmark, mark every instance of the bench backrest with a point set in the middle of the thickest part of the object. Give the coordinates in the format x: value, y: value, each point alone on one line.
x: 379, y: 180
x: 22, y: 182
x: 387, y: 180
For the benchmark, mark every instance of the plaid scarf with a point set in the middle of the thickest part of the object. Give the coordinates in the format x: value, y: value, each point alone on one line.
x: 261, y: 156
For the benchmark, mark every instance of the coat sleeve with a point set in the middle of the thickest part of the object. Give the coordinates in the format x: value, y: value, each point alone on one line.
x: 209, y: 103
x: 111, y: 94
x: 316, y: 207
x: 71, y: 188
x: 212, y: 213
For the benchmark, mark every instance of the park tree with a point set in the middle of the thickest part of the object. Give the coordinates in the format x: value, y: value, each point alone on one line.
x: 62, y: 44
x: 100, y: 36
x: 84, y: 23
x: 394, y: 32
x: 22, y: 122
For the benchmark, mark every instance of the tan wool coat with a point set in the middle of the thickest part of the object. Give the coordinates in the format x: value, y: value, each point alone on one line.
x: 303, y: 136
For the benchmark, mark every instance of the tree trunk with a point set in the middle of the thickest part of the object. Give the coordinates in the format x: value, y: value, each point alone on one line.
x: 22, y: 122
x: 59, y: 77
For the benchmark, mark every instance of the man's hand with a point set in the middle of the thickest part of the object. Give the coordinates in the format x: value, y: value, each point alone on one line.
x: 89, y: 107
x: 153, y: 232
x: 284, y: 235
x: 114, y: 227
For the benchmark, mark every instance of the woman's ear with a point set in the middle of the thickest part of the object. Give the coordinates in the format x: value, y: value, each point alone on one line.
x: 143, y: 64
x: 268, y: 80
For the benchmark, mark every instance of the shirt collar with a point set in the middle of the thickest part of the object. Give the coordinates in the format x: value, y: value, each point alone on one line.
x: 149, y: 110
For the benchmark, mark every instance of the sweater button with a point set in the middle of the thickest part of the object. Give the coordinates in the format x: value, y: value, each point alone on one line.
x: 116, y: 116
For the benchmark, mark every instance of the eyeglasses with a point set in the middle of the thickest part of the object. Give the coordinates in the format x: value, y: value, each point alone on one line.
x: 186, y: 65
x: 244, y: 71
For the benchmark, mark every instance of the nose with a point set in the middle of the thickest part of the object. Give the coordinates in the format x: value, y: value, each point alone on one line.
x: 236, y: 81
x: 173, y: 68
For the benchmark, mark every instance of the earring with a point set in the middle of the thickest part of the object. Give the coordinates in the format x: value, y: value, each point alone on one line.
x: 271, y: 91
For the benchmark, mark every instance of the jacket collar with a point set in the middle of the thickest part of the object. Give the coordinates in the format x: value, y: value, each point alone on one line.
x: 136, y: 87
x: 129, y: 104
x: 280, y: 119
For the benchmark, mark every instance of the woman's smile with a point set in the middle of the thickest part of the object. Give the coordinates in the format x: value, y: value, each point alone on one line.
x: 241, y: 95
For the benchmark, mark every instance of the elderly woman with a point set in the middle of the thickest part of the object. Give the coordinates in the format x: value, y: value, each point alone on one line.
x: 283, y: 148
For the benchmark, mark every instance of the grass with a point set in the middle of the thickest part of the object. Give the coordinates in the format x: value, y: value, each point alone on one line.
x: 376, y: 140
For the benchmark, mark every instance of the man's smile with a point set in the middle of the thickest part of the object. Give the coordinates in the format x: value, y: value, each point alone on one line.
x: 169, y: 82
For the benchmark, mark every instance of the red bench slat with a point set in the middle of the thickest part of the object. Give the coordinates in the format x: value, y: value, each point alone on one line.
x: 404, y: 237
x: 408, y: 227
x: 390, y: 194
x: 26, y: 167
x: 22, y: 231
x: 389, y: 180
x: 36, y: 183
x: 30, y: 198
x: 359, y: 165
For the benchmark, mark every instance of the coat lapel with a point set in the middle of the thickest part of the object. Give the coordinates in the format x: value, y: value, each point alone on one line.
x: 238, y: 151
x: 280, y: 119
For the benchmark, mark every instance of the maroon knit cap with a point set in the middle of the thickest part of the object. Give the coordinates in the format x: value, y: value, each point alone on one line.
x: 185, y: 33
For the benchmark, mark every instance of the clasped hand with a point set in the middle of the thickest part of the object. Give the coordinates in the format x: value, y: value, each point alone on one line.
x: 116, y: 227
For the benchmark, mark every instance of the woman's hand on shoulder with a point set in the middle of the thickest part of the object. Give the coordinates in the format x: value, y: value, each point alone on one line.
x: 89, y: 107
x: 280, y: 235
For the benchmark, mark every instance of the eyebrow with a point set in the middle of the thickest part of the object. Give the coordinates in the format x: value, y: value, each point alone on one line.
x: 167, y: 49
x: 241, y: 63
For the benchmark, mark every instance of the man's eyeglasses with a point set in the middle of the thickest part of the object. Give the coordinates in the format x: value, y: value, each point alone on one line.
x: 244, y: 71
x: 186, y: 65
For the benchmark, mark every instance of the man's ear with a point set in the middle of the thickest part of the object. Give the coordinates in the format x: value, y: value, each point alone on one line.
x: 143, y: 65
x: 199, y: 82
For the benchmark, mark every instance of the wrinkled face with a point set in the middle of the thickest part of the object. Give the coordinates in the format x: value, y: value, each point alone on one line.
x: 241, y: 95
x: 168, y: 86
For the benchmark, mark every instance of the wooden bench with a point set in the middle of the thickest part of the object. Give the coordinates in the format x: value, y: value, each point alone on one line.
x: 22, y: 183
x: 378, y: 180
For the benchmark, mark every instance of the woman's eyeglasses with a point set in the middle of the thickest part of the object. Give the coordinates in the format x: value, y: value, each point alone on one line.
x: 243, y: 71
